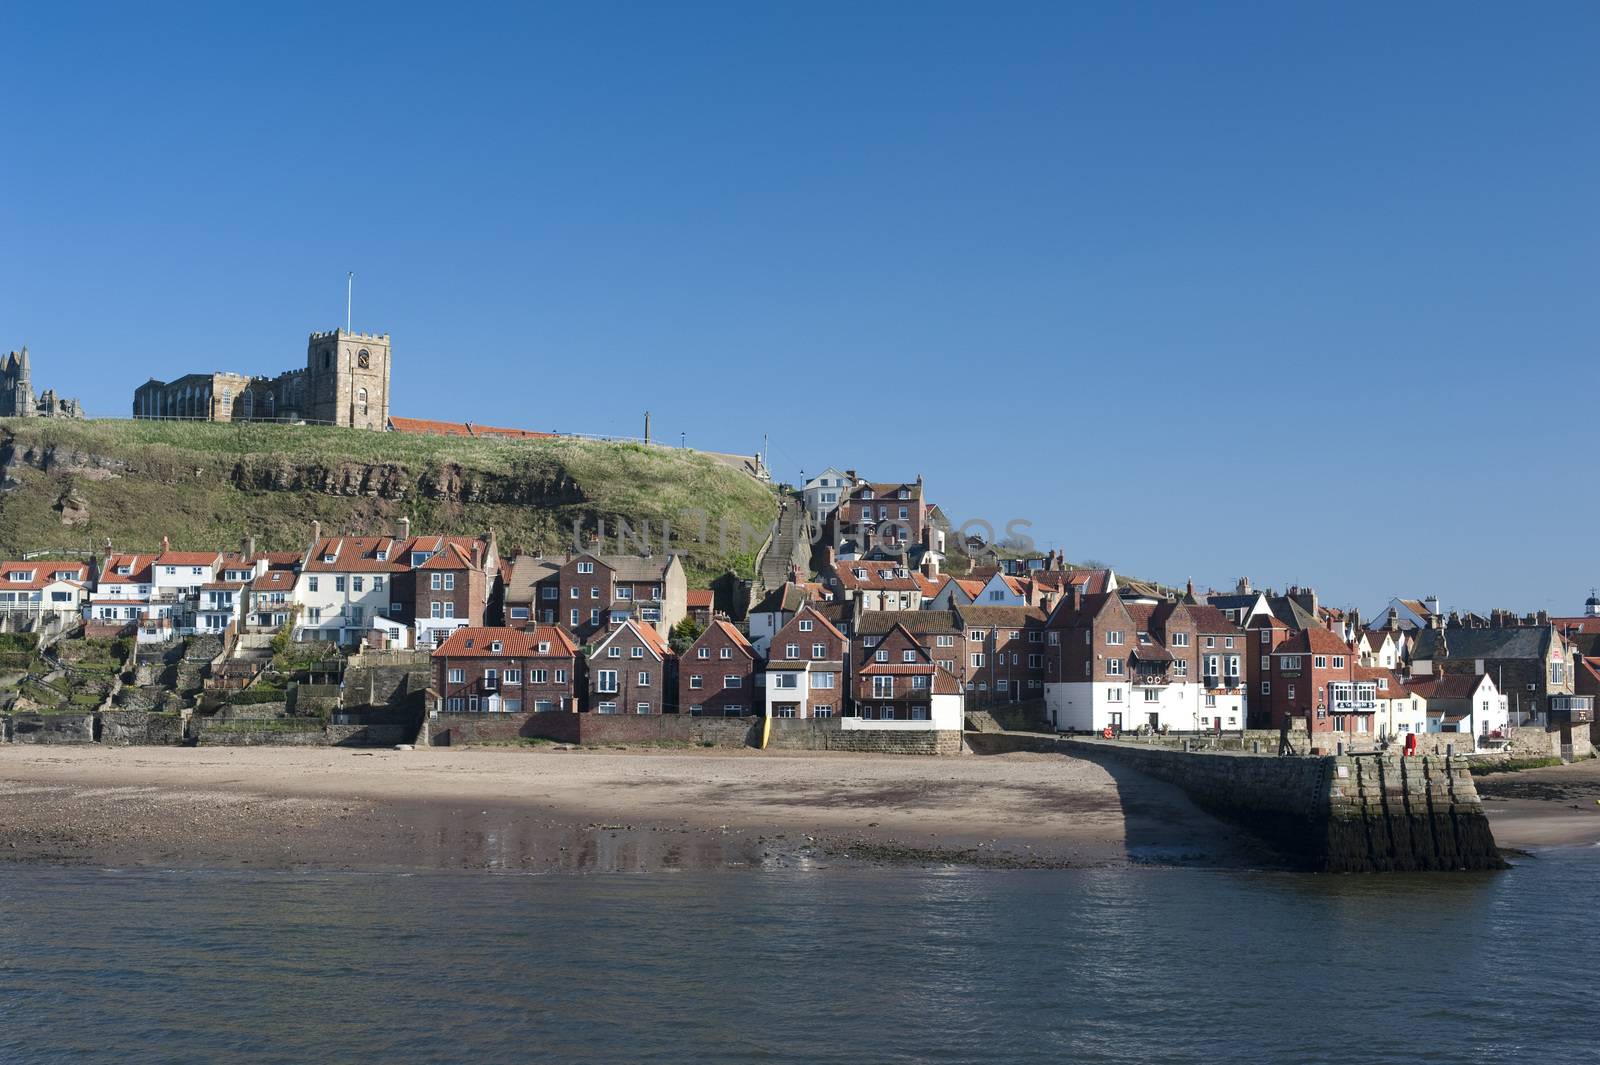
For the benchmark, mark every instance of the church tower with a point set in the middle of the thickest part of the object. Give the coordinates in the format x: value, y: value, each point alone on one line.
x: 347, y: 379
x: 16, y: 380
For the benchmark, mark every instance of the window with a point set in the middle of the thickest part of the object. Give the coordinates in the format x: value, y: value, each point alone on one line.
x: 636, y: 652
x: 725, y: 652
x: 1180, y: 639
x: 791, y: 651
x: 594, y: 617
x: 977, y: 660
x: 806, y: 624
x: 697, y: 681
x: 945, y: 641
x: 880, y: 655
x: 644, y: 678
x: 1266, y: 687
x: 577, y: 592
x: 338, y: 584
x: 822, y: 680
x: 1319, y: 661
x: 606, y: 681
x: 1113, y: 667
x: 1266, y: 635
x: 1211, y: 641
x: 434, y: 582
x: 311, y: 584
x: 883, y: 687
x: 1211, y: 702
x: 496, y: 646
x: 704, y: 652
x: 1266, y: 663
x: 458, y: 676
x: 819, y: 650
x: 519, y: 613
x: 1289, y: 693
x: 641, y: 708
x: 919, y: 682
x: 822, y: 711
x: 908, y: 656
x: 1036, y: 661
x: 594, y: 592
x: 574, y: 617
x: 786, y: 680
x: 1114, y: 638
x: 1113, y: 695
x: 456, y: 704
x: 613, y: 652
x: 1290, y: 662
x: 586, y: 567
x: 607, y: 708
x: 1227, y: 642
x: 1152, y: 695
x: 624, y: 592
x: 733, y: 680
x: 1181, y: 667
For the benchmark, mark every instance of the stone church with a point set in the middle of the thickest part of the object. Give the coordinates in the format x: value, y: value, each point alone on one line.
x: 16, y: 392
x: 345, y: 382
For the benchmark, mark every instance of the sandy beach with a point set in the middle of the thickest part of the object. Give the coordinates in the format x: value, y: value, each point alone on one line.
x: 587, y: 810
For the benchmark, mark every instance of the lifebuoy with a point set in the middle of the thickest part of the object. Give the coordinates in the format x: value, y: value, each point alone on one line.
x: 1106, y: 732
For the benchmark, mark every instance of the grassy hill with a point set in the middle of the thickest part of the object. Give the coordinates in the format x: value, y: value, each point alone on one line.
x: 70, y: 485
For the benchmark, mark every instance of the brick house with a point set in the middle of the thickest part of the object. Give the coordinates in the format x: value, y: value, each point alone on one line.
x: 505, y: 670
x: 899, y: 681
x: 446, y: 583
x: 1122, y: 663
x: 717, y: 674
x: 807, y: 666
x: 632, y: 671
x: 1002, y: 653
x: 1316, y: 681
x: 871, y: 585
x: 936, y: 631
x: 587, y: 594
x: 887, y: 516
x: 1534, y: 664
x: 1224, y: 649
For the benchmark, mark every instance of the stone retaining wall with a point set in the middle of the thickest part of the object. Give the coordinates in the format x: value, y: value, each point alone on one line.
x: 825, y: 734
x: 1361, y: 813
x: 790, y: 734
x: 139, y: 728
x: 50, y: 728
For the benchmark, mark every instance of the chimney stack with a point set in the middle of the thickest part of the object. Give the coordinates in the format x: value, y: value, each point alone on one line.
x: 316, y: 533
x: 402, y: 528
x: 166, y: 545
x: 248, y: 547
x: 1244, y: 586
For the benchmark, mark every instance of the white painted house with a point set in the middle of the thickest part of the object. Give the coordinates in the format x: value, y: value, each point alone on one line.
x: 37, y: 588
x: 822, y: 494
x: 344, y: 582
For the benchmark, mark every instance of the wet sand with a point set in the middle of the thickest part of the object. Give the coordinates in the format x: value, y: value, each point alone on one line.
x: 548, y: 810
x: 1554, y: 807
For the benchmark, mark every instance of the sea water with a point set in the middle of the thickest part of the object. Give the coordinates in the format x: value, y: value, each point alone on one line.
x: 1134, y: 964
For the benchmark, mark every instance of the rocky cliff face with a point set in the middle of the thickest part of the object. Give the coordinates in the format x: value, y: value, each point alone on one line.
x: 445, y: 483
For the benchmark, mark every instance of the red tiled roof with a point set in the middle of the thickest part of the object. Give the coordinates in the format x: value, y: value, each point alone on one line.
x: 354, y: 554
x: 1315, y: 640
x: 733, y: 634
x: 514, y: 643
x: 274, y: 580
x: 517, y: 434
x: 138, y: 569
x: 700, y: 598
x: 878, y: 575
x: 189, y: 558
x: 428, y: 426
x: 41, y: 573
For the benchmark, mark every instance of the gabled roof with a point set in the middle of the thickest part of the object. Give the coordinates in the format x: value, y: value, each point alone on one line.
x: 527, y: 571
x: 977, y: 615
x: 275, y: 580
x: 875, y: 576
x: 41, y: 573
x: 1448, y: 685
x: 428, y: 426
x: 700, y: 599
x: 138, y: 569
x: 1292, y: 613
x: 1315, y: 640
x: 732, y: 634
x: 1523, y: 642
x: 810, y: 611
x: 514, y: 643
x: 354, y: 554
x: 646, y: 633
x: 1211, y: 621
x: 786, y: 598
x: 876, y: 622
x: 189, y: 558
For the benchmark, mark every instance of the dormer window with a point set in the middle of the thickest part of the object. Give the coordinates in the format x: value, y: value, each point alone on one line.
x: 21, y: 576
x: 866, y: 493
x: 419, y: 557
x: 123, y: 571
x: 381, y: 556
x: 328, y: 558
x: 904, y: 494
x: 469, y: 641
x: 900, y: 571
x: 861, y: 574
x: 496, y: 646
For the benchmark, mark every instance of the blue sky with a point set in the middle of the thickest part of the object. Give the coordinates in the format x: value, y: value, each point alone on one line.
x: 1304, y: 292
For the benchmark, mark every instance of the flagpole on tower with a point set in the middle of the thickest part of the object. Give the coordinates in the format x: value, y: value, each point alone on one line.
x: 349, y: 292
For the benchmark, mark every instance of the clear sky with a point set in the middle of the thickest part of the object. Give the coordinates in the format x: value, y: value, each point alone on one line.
x: 1304, y: 292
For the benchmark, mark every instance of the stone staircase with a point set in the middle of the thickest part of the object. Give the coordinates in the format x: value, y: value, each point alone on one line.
x: 788, y: 546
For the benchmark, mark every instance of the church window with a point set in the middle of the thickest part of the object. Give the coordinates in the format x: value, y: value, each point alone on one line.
x: 361, y: 402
